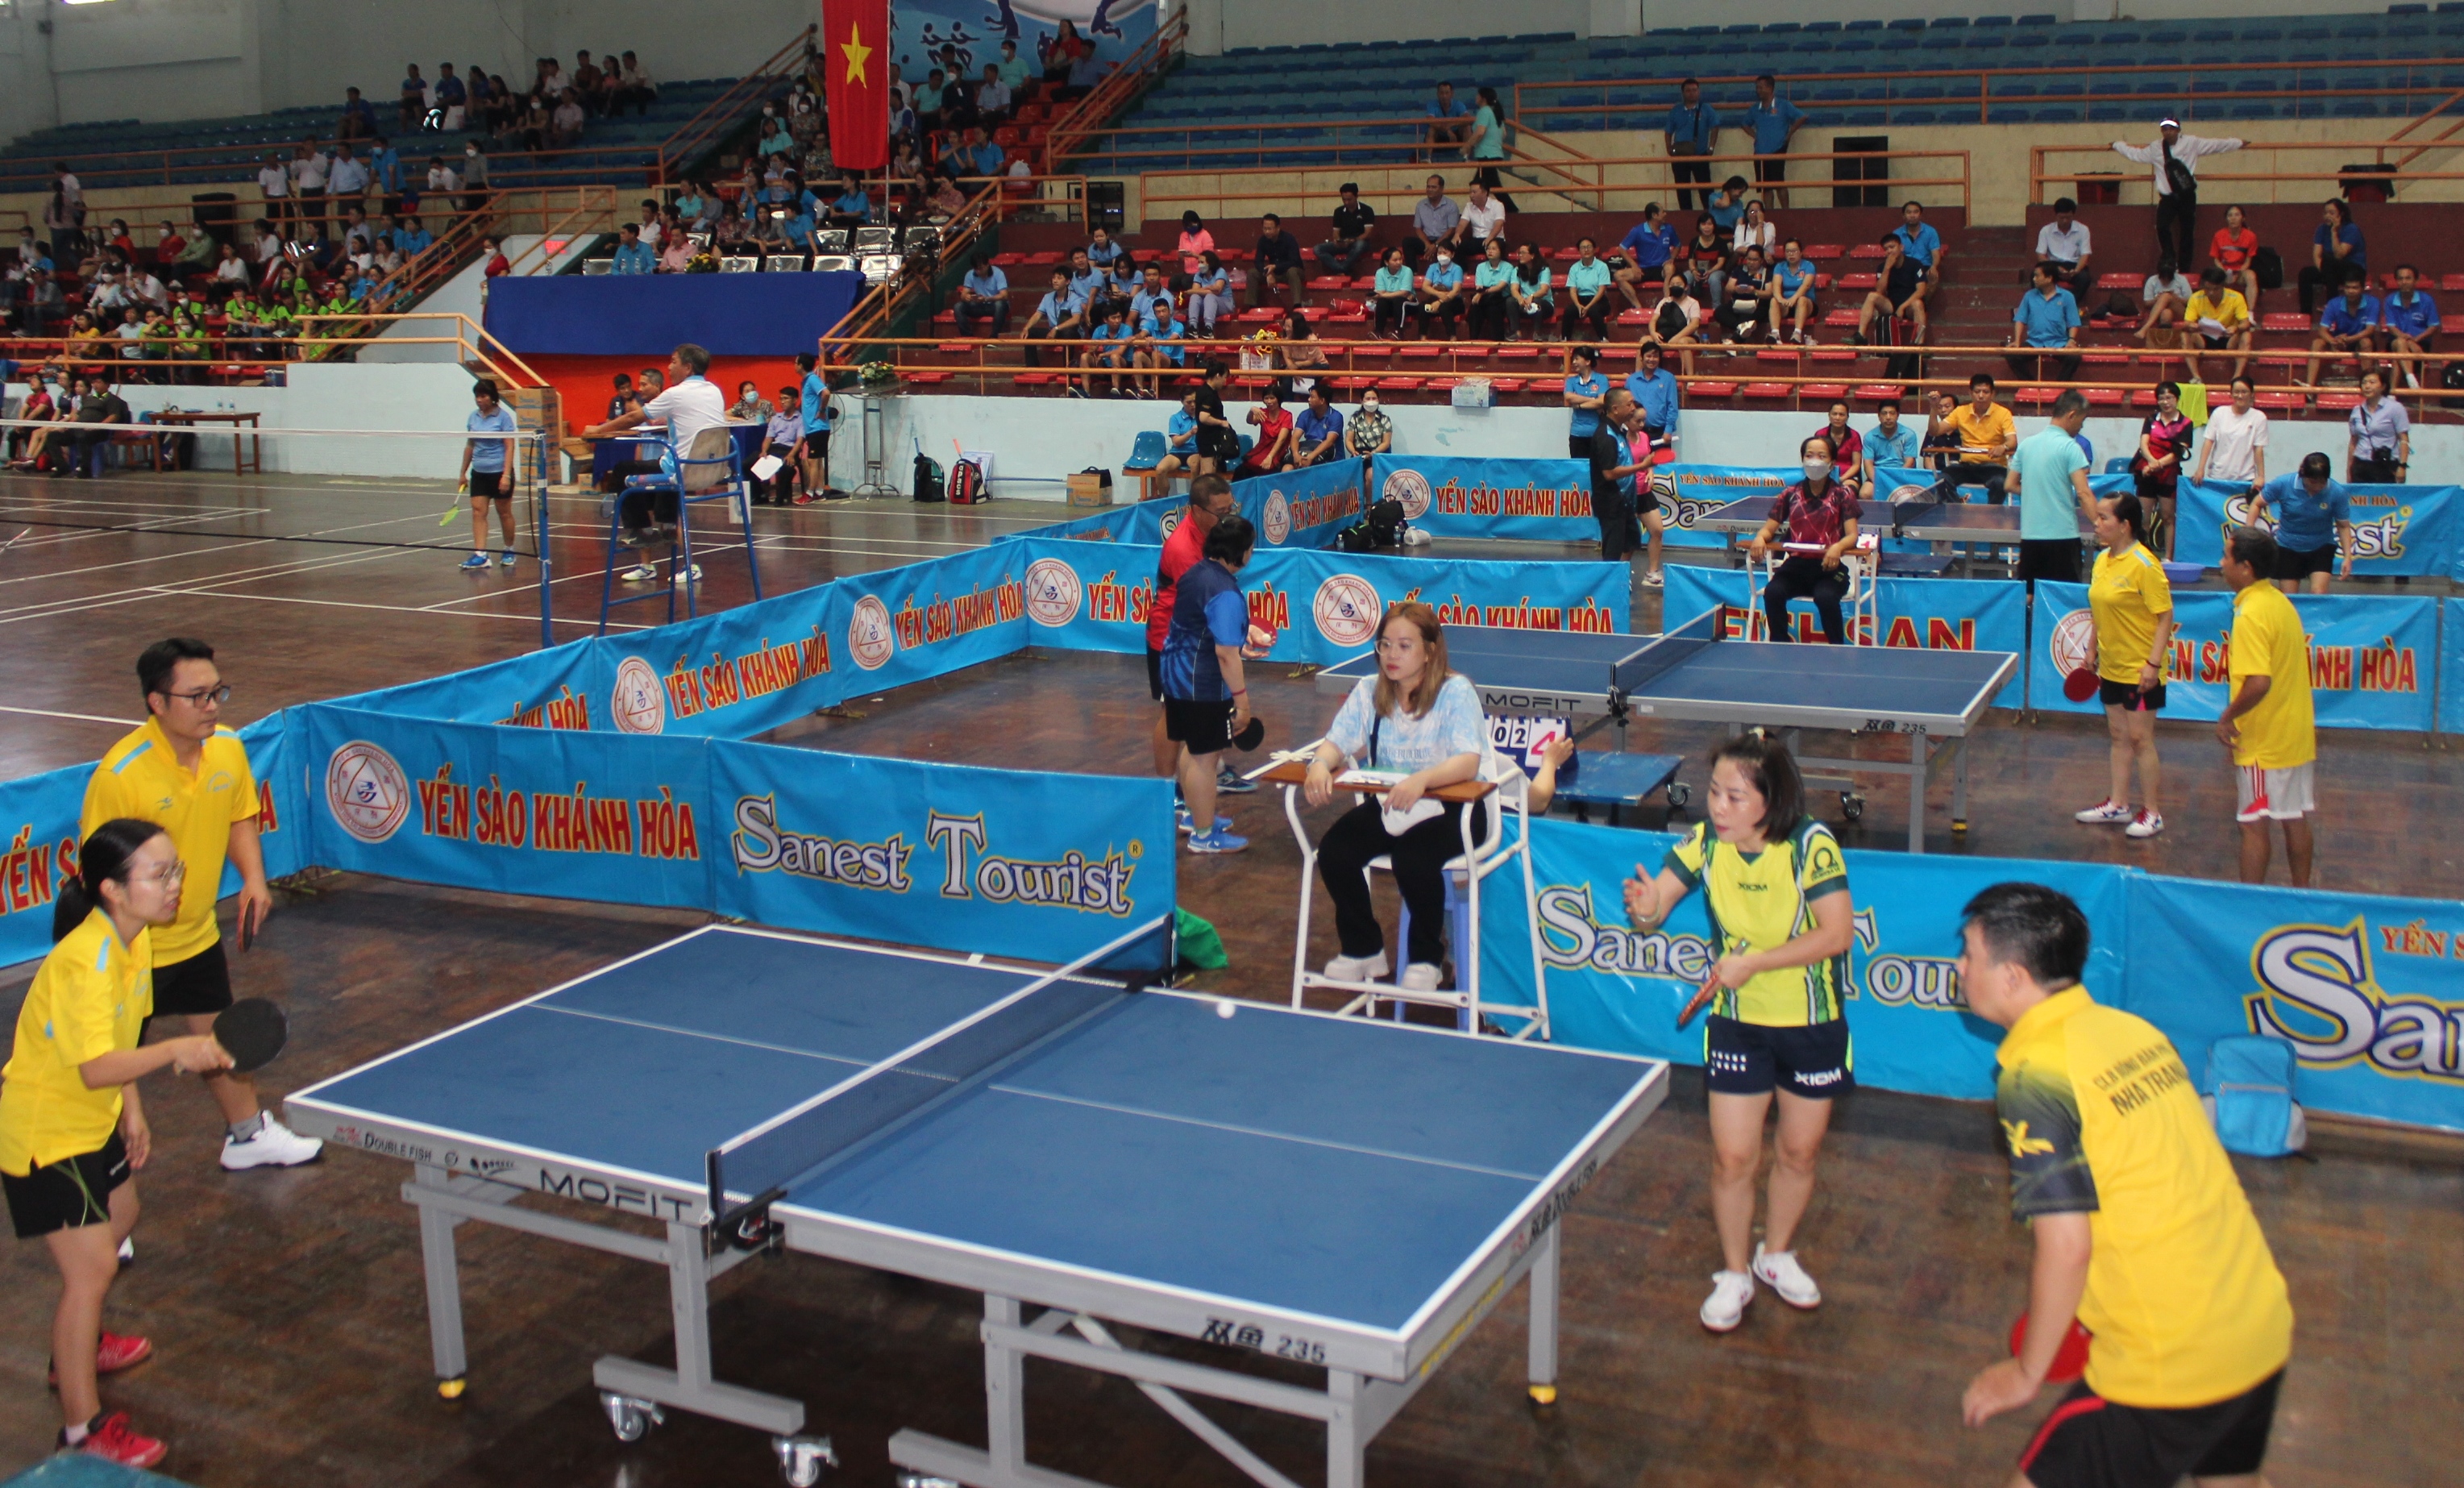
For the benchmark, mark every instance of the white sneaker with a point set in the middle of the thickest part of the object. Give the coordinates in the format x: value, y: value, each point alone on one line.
x: 1418, y: 976
x: 129, y: 1253
x: 275, y: 1146
x: 2103, y: 814
x: 693, y: 578
x: 1356, y: 969
x: 1779, y: 1271
x: 1725, y: 1307
x: 1652, y: 578
x: 639, y: 574
x: 2145, y: 824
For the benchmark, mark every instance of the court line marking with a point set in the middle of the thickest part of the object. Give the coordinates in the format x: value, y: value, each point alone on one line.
x: 1511, y: 1174
x: 45, y: 713
x: 715, y: 1037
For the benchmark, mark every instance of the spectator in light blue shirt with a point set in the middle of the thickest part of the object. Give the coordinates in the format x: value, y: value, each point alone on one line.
x: 1586, y: 392
x: 632, y: 255
x: 1647, y: 248
x: 853, y: 208
x: 1726, y: 206
x: 1690, y: 130
x: 1586, y: 291
x: 2411, y: 320
x: 1774, y: 121
x: 1317, y: 436
x: 1655, y: 392
x: 2314, y: 524
x: 1086, y: 280
x: 386, y: 167
x: 1921, y: 245
x: 982, y: 295
x: 2047, y: 320
x: 414, y: 240
x: 1444, y: 112
x: 1890, y: 444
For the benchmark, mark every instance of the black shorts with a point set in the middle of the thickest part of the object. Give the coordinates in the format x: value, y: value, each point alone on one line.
x: 2293, y: 564
x: 199, y: 984
x: 2127, y: 695
x: 1203, y: 727
x: 1155, y: 674
x: 2091, y: 1442
x: 1646, y: 496
x: 487, y: 485
x: 2049, y: 557
x: 1749, y: 1059
x: 817, y: 443
x: 2215, y: 343
x: 68, y: 1194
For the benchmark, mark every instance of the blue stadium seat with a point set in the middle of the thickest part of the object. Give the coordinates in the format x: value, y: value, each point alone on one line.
x: 1908, y: 23
x: 2254, y: 110
x: 2106, y: 113
x: 2040, y: 20
x: 1948, y: 22
x: 2029, y: 38
x: 1912, y: 116
x: 1993, y: 20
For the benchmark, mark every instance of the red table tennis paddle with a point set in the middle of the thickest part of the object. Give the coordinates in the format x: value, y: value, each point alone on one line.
x: 252, y: 1031
x: 2081, y: 683
x: 2070, y: 1360
x: 1709, y: 988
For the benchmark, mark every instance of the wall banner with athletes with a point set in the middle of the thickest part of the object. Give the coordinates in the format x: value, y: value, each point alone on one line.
x: 1323, y: 606
x: 1022, y: 862
x: 2373, y: 658
x: 2396, y: 529
x: 1932, y: 614
x: 525, y: 811
x: 1613, y: 987
x: 2369, y: 991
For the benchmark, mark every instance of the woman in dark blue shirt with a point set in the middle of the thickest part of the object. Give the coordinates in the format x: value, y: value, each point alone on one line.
x: 2336, y: 246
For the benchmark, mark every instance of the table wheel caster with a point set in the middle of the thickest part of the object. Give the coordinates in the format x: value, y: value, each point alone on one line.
x: 925, y: 1481
x: 1852, y: 805
x: 1678, y: 793
x: 1542, y: 1396
x: 1959, y: 824
x: 631, y: 1419
x: 802, y: 1458
x: 452, y: 1389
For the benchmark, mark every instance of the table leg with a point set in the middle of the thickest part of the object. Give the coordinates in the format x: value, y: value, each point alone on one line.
x: 1005, y: 1393
x: 1916, y: 791
x: 1544, y: 1320
x: 444, y: 1289
x: 1959, y: 789
x: 1345, y: 1450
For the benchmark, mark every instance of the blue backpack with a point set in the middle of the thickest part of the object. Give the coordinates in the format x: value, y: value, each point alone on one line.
x: 2250, y: 1094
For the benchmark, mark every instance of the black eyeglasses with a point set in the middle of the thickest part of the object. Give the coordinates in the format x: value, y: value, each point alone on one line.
x: 199, y: 699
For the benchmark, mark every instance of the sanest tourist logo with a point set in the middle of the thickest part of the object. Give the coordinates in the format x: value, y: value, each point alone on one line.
x: 368, y: 791
x: 639, y: 703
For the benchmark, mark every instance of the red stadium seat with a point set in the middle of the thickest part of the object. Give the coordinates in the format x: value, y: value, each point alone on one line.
x: 1824, y: 253
x: 2105, y: 397
x: 1828, y: 392
x: 1709, y: 392
x: 1840, y: 320
x: 1871, y: 392
x: 2119, y: 279
x: 2284, y: 320
x: 1780, y: 391
x: 1398, y: 385
x: 1858, y: 281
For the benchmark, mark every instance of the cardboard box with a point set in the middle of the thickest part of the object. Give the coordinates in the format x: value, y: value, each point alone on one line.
x: 1091, y: 489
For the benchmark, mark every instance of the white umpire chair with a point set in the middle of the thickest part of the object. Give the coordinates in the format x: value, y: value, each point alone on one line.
x: 1858, y: 606
x: 1507, y: 806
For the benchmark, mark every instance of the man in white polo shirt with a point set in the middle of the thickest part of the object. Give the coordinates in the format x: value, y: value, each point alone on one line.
x: 689, y: 405
x: 2064, y: 242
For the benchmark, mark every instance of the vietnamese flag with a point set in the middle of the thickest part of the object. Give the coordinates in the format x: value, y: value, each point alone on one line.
x: 855, y: 44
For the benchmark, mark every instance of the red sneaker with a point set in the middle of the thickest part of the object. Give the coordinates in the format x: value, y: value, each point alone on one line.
x: 114, y: 1441
x: 114, y: 1353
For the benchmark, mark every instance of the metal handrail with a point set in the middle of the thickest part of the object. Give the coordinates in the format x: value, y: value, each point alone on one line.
x: 2040, y: 173
x: 714, y: 121
x: 882, y: 303
x: 1150, y: 59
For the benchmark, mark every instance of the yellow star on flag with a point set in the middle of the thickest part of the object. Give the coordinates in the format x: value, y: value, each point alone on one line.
x: 856, y: 53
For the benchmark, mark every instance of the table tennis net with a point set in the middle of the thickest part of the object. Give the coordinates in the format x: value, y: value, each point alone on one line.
x: 1671, y: 651
x: 767, y: 1161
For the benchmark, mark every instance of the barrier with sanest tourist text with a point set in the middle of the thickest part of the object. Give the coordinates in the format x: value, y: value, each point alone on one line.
x: 2398, y: 531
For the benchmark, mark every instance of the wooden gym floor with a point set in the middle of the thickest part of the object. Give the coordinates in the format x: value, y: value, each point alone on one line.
x: 286, y: 1307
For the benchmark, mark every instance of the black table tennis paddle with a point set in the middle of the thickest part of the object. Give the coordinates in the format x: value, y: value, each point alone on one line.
x: 252, y: 1031
x: 1252, y: 737
x: 252, y: 920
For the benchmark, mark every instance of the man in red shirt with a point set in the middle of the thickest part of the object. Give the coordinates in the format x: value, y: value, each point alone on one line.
x: 1210, y: 501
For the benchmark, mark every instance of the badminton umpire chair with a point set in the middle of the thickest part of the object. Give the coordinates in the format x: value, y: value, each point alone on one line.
x: 711, y: 470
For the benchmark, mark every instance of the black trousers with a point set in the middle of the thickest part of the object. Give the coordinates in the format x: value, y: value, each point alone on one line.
x: 1684, y: 171
x: 2056, y: 366
x: 2177, y: 214
x: 1490, y: 314
x: 1958, y: 474
x: 1621, y: 528
x: 1420, y: 859
x: 640, y: 507
x: 1034, y: 354
x: 1802, y: 577
x: 1390, y: 314
x: 1597, y: 317
x: 783, y: 486
x: 1448, y: 315
x: 2314, y: 286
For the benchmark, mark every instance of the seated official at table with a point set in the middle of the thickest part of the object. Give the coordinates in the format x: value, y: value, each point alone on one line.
x: 1817, y: 511
x: 1414, y: 716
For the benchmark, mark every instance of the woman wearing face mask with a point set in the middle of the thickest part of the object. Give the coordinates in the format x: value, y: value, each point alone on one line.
x: 1776, y: 887
x: 749, y: 406
x: 1816, y: 523
x: 1368, y: 432
x: 1442, y: 295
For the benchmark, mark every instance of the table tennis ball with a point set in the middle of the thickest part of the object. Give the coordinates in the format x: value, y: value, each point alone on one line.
x: 1222, y: 1008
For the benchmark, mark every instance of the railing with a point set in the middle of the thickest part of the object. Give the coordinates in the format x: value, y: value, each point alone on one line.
x: 594, y: 210
x: 1737, y: 367
x: 2138, y: 180
x: 1649, y: 97
x: 1592, y: 185
x: 882, y: 304
x: 1154, y: 57
x: 1247, y: 143
x: 722, y: 114
x: 474, y: 345
x: 508, y: 206
x: 470, y: 339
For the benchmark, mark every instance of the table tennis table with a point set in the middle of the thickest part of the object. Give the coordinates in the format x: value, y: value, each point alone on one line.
x: 1080, y: 1146
x: 1965, y: 524
x: 1697, y: 672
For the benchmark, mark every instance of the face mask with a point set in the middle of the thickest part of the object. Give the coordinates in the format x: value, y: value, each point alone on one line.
x: 1368, y: 405
x: 1444, y: 259
x: 1814, y: 468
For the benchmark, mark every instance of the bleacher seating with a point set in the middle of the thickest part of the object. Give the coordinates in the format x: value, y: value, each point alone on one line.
x: 613, y: 150
x: 1393, y: 80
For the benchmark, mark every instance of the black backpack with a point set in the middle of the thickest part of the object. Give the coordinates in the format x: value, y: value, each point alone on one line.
x: 1385, y: 523
x: 2269, y: 266
x: 927, y: 479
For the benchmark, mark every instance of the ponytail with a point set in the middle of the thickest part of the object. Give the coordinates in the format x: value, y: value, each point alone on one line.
x: 102, y: 859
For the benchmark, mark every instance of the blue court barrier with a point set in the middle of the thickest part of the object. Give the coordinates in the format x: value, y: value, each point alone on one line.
x: 1324, y: 607
x: 549, y: 689
x: 2373, y: 658
x: 2450, y: 667
x: 2397, y: 530
x: 1296, y: 508
x: 1044, y: 867
x: 617, y: 315
x: 2362, y: 986
x: 39, y: 813
x: 1530, y: 501
x: 1933, y: 614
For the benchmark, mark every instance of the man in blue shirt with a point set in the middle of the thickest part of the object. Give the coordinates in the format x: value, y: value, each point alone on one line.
x: 632, y: 255
x: 1444, y: 112
x: 1107, y: 345
x: 450, y: 97
x: 1205, y: 695
x: 2411, y: 320
x: 1646, y: 249
x: 1773, y: 120
x: 414, y: 240
x: 1655, y: 393
x: 1690, y: 129
x: 853, y: 207
x: 1317, y: 433
x: 2049, y: 477
x: 983, y: 296
x: 1086, y: 280
x: 2314, y: 522
x: 1890, y: 444
x: 813, y: 412
x: 386, y: 167
x: 485, y: 473
x: 2349, y: 325
x: 1587, y: 391
x: 976, y: 158
x: 1922, y: 243
x: 2047, y: 318
x: 1586, y: 291
x: 1060, y: 316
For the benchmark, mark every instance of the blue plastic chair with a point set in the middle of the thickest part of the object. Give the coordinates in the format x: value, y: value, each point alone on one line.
x: 712, y: 471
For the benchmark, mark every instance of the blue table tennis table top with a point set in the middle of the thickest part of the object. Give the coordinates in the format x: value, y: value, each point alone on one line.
x: 1316, y: 1165
x: 1892, y: 680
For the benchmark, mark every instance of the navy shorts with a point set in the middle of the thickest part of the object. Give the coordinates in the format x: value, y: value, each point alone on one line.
x: 1750, y: 1058
x: 2091, y: 1442
x: 2130, y: 697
